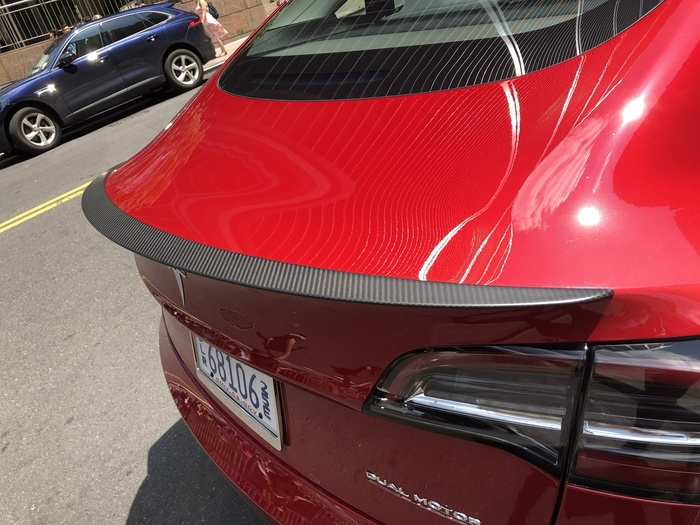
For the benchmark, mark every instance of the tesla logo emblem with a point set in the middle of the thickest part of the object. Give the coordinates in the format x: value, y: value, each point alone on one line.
x: 420, y: 501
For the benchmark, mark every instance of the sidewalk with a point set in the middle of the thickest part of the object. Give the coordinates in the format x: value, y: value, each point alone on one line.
x: 231, y: 47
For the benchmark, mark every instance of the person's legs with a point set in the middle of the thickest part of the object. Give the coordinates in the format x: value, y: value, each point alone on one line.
x: 221, y: 45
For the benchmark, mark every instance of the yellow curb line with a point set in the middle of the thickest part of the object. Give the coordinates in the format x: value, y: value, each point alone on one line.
x: 42, y: 208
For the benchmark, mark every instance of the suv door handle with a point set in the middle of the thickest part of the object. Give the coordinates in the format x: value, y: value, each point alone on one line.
x: 152, y: 38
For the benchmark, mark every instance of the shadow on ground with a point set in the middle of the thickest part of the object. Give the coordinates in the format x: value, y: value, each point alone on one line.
x: 184, y: 486
x: 110, y: 117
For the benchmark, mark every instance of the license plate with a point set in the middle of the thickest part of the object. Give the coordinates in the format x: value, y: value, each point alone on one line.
x: 248, y: 393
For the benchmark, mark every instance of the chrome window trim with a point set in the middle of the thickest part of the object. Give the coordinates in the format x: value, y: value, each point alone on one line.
x: 116, y: 17
x: 98, y: 23
x: 73, y: 37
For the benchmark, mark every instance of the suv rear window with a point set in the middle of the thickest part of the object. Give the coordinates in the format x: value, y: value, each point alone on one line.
x: 123, y: 26
x: 331, y: 49
x: 152, y: 18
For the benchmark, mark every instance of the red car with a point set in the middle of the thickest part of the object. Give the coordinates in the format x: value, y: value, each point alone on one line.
x: 432, y: 261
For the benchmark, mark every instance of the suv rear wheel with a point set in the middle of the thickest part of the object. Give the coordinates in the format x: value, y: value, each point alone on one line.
x: 183, y: 69
x: 33, y: 130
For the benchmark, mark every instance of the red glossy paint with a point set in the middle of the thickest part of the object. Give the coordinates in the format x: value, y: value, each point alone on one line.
x: 277, y: 489
x: 328, y: 355
x: 578, y: 175
x: 578, y: 182
x: 582, y: 506
x: 334, y: 446
x: 340, y: 349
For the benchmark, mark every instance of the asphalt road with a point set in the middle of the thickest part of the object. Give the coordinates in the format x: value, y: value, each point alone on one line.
x: 88, y: 432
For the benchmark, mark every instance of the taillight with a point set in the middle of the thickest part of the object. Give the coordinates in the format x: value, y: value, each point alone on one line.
x: 194, y: 23
x: 641, y: 424
x: 624, y: 418
x: 513, y: 397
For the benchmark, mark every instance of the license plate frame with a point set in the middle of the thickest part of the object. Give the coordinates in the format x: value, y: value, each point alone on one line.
x: 223, y: 391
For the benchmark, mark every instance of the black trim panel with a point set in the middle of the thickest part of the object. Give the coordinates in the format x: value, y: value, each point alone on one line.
x: 268, y: 69
x: 245, y: 270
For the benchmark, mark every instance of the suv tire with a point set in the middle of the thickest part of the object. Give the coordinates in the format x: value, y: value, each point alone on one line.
x: 34, y: 130
x: 183, y: 69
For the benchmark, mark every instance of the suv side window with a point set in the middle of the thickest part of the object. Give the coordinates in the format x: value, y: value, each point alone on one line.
x: 85, y: 41
x: 152, y: 18
x: 122, y: 27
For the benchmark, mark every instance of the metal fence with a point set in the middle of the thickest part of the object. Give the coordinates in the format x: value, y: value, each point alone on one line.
x: 25, y: 22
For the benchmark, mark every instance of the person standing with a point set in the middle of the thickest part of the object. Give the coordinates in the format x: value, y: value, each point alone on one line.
x: 214, y: 30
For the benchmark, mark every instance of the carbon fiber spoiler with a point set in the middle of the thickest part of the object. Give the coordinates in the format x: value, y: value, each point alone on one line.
x: 255, y: 272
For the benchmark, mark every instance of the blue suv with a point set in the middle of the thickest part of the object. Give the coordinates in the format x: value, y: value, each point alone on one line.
x: 100, y: 65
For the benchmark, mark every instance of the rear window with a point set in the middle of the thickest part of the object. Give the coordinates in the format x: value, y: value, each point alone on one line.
x: 123, y: 26
x: 330, y: 49
x: 152, y: 18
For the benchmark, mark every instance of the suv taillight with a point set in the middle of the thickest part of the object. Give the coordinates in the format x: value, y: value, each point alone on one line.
x: 629, y: 413
x: 641, y: 424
